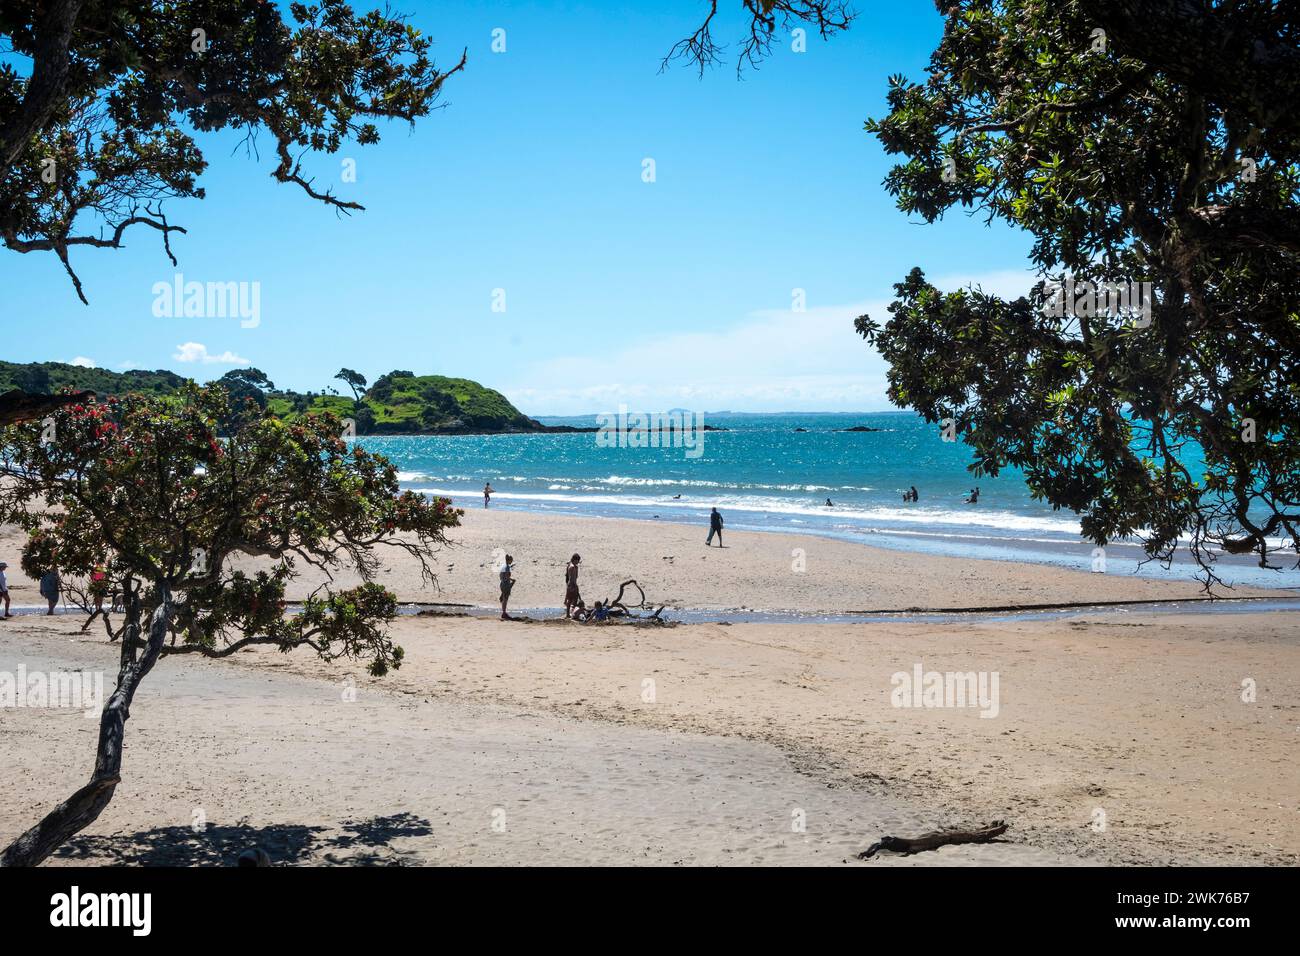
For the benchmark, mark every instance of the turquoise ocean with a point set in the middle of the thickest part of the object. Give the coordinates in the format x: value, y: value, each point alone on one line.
x: 765, y: 474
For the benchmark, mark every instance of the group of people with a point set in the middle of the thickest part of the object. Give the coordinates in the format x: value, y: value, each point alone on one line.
x: 51, y: 588
x: 575, y: 609
x: 911, y: 495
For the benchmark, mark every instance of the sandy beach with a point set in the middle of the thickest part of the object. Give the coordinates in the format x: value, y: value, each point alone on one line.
x: 768, y: 571
x: 753, y: 570
x: 1117, y: 737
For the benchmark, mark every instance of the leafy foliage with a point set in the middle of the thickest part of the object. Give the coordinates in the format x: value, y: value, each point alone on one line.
x: 1150, y: 141
x: 147, y: 488
x: 101, y: 126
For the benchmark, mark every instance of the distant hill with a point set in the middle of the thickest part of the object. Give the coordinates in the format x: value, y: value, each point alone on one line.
x: 402, y: 403
x: 49, y: 377
x: 399, y: 403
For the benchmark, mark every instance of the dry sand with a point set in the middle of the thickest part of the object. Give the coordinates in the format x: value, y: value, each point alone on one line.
x: 391, y: 778
x: 555, y: 729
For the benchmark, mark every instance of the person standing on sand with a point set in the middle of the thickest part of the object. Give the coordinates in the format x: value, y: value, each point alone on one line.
x: 507, y: 584
x: 50, y: 585
x: 571, y: 596
x: 487, y: 493
x: 4, y: 588
x: 715, y: 527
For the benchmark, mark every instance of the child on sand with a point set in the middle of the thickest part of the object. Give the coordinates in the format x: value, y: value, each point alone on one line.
x: 487, y: 493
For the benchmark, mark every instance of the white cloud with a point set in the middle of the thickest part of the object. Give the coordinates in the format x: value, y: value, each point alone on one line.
x: 82, y: 362
x: 198, y: 352
x: 773, y: 360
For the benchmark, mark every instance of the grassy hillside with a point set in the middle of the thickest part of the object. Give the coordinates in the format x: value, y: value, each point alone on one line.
x: 405, y: 403
x: 399, y: 403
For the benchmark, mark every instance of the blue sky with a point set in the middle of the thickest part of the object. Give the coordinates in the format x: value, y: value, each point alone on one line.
x: 664, y: 294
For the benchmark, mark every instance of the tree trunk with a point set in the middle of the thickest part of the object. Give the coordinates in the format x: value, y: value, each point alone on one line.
x: 48, y: 82
x: 84, y: 807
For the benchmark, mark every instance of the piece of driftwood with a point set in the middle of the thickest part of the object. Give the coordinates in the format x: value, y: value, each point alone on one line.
x: 639, y: 606
x: 19, y: 406
x: 932, y: 841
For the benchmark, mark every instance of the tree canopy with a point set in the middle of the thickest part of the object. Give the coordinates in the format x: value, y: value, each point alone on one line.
x: 101, y: 126
x: 1151, y: 141
x: 354, y: 380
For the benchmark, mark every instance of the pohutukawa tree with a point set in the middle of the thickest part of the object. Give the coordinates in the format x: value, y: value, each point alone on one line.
x: 99, y: 126
x: 145, y: 488
x: 1135, y: 141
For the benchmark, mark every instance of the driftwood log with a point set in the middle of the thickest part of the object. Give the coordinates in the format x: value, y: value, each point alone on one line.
x: 640, y: 605
x: 932, y: 841
x: 19, y: 406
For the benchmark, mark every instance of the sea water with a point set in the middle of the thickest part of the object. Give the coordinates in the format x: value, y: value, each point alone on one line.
x: 764, y: 474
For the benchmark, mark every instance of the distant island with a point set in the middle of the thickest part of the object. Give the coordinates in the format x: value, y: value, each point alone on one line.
x: 399, y: 403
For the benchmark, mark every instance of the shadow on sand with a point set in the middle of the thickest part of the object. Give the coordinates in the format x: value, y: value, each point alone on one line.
x: 364, y: 843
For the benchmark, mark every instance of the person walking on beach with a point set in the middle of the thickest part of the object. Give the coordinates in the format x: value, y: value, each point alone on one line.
x: 50, y: 586
x: 507, y: 584
x: 715, y: 527
x: 487, y: 493
x: 571, y: 597
x: 4, y: 588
